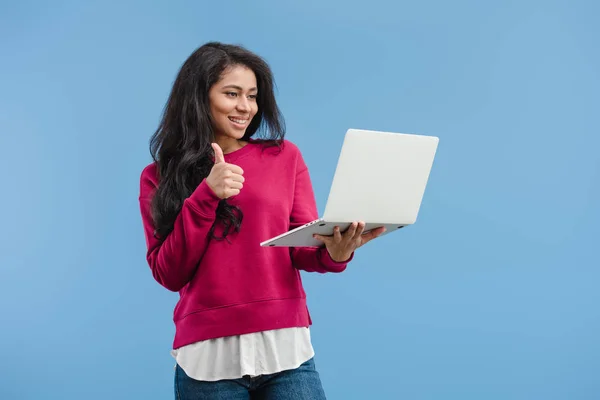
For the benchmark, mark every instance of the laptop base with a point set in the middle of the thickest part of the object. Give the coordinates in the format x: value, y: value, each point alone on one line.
x: 302, y: 236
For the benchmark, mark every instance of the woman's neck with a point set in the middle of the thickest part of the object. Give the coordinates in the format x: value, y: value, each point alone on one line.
x: 229, y: 145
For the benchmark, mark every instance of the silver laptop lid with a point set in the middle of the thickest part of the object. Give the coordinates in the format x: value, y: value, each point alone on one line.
x: 380, y: 177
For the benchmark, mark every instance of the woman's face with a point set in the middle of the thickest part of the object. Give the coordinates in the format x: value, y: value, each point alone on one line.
x: 233, y: 102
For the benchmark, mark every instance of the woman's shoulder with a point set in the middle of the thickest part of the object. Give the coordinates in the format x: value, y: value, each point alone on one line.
x: 149, y: 178
x: 286, y: 154
x: 285, y: 147
x: 292, y: 147
x: 150, y: 171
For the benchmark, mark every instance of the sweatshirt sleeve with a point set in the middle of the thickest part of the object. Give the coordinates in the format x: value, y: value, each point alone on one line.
x: 304, y: 210
x: 174, y: 260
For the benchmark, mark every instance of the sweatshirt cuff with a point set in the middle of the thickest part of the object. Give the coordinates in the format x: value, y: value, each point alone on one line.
x: 204, y: 200
x: 330, y: 263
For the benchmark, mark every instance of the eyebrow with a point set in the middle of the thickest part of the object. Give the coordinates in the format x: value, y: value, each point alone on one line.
x: 238, y: 88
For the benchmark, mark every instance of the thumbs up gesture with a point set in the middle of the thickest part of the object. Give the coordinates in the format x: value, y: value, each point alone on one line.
x: 225, y: 179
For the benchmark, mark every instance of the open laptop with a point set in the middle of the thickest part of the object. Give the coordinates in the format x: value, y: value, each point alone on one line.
x: 380, y: 179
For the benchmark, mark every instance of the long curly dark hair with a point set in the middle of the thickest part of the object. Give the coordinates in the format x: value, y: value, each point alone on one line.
x: 181, y: 146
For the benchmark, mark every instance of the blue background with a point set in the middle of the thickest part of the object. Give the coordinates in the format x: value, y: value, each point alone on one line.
x: 493, y: 294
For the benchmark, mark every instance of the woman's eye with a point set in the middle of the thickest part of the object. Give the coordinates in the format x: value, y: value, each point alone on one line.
x: 252, y: 97
x: 231, y: 94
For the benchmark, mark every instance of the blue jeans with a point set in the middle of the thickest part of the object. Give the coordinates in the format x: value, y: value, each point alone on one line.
x: 296, y: 384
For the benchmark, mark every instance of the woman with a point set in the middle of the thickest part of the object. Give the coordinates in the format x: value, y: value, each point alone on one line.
x: 212, y: 194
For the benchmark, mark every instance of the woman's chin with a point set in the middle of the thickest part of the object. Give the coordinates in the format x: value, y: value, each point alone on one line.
x: 233, y: 135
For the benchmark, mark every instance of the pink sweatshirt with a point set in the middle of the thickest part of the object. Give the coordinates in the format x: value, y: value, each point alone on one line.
x: 232, y: 287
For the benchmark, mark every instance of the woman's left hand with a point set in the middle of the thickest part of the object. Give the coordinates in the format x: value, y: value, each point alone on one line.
x: 341, y: 245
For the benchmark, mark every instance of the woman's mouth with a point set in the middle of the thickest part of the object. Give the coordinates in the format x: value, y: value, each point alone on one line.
x: 239, y: 122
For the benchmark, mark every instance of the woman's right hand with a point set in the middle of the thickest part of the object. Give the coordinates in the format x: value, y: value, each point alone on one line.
x: 225, y: 179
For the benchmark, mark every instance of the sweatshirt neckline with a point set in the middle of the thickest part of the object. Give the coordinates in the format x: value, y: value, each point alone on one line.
x: 237, y: 154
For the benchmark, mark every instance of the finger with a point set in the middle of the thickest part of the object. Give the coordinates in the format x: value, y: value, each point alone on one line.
x: 351, y: 230
x: 367, y: 237
x: 235, y: 169
x: 234, y: 184
x: 231, y: 192
x: 237, y: 177
x: 219, y: 157
x: 359, y: 230
x: 324, y: 239
x: 337, y: 235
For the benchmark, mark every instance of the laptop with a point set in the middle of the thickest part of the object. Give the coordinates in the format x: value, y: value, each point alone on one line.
x: 380, y: 179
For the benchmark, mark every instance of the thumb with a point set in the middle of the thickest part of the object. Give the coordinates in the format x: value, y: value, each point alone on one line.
x: 219, y: 157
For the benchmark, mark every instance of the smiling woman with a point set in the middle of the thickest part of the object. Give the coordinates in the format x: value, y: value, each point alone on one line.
x: 242, y: 323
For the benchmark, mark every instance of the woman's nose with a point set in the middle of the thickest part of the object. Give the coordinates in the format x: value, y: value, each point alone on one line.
x: 243, y: 104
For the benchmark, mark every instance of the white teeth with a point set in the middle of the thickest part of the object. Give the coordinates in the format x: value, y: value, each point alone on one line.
x: 239, y: 121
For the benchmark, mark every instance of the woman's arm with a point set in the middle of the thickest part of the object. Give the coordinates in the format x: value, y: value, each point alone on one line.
x: 174, y: 260
x: 305, y: 210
